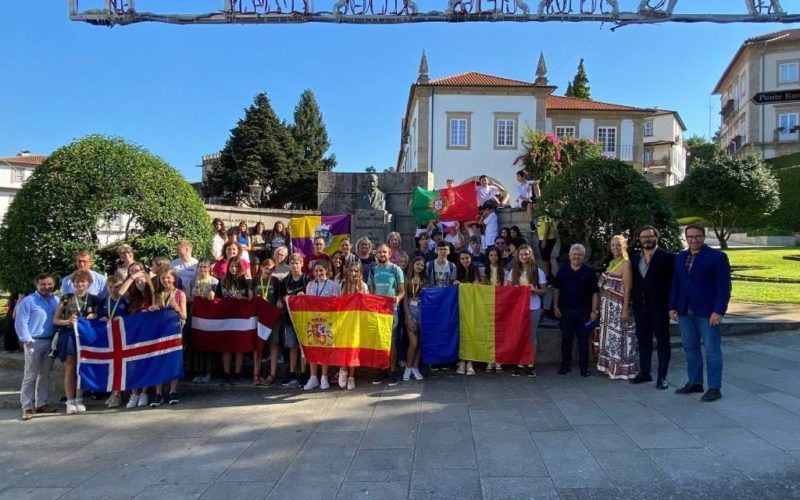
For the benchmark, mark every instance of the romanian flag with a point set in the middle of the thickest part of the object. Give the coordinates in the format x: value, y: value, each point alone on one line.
x: 495, y: 324
x: 450, y: 204
x: 351, y: 330
x: 333, y: 228
x: 477, y: 323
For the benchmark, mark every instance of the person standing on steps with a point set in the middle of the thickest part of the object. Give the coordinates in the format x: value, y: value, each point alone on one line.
x: 698, y: 299
x: 652, y: 276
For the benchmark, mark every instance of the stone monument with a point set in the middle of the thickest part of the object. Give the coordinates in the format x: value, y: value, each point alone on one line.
x: 371, y: 218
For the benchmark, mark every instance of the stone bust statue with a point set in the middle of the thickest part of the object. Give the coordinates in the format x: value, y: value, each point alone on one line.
x: 372, y: 198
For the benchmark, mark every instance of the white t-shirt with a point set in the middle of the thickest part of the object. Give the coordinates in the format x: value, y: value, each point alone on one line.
x: 536, y: 300
x: 486, y: 193
x: 524, y: 192
x: 186, y: 271
x: 327, y: 288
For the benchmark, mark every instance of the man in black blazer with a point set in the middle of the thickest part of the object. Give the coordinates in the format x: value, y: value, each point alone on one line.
x: 652, y: 276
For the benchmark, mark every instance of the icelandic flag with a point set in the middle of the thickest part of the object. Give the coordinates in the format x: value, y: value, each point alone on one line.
x: 136, y: 351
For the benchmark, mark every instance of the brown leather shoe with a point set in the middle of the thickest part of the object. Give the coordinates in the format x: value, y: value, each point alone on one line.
x: 27, y: 415
x: 46, y: 409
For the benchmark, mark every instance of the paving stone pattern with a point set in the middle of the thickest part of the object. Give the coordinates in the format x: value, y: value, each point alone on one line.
x: 490, y: 436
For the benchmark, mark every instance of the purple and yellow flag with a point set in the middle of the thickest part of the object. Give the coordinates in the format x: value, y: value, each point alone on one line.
x: 333, y: 228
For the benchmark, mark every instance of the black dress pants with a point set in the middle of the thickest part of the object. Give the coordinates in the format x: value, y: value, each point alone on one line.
x: 649, y: 325
x: 572, y: 327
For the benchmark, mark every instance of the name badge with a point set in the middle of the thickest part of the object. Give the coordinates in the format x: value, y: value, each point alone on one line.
x: 413, y: 302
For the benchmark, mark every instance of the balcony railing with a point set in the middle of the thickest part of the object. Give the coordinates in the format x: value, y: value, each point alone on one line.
x: 629, y: 153
x: 782, y: 135
x: 727, y: 109
x: 660, y: 162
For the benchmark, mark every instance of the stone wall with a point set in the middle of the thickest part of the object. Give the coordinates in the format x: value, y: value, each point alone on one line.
x: 337, y: 193
x: 233, y: 215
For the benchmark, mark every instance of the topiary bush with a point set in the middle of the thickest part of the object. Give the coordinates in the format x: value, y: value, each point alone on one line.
x: 95, y: 179
x: 598, y: 198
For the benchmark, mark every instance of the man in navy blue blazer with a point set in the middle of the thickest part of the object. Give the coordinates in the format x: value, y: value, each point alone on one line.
x: 698, y: 299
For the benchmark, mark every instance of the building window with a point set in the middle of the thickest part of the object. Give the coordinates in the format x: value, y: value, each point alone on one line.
x: 458, y: 130
x: 17, y: 175
x: 787, y: 123
x: 648, y: 128
x: 788, y: 72
x: 648, y: 157
x: 505, y: 130
x: 607, y: 137
x: 564, y: 132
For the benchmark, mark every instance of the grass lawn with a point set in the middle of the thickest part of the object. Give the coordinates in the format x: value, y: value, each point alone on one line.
x: 768, y: 263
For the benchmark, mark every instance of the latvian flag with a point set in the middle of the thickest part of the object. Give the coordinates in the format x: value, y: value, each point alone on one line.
x: 137, y: 351
x: 232, y: 325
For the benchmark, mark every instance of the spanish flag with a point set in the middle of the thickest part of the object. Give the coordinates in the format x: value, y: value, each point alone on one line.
x: 351, y: 330
x: 495, y: 324
x: 332, y: 228
x: 450, y: 204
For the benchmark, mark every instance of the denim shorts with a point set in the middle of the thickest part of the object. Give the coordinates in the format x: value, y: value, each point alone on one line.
x: 289, y: 336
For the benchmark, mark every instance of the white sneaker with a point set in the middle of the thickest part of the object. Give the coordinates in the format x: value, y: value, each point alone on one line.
x: 312, y: 383
x: 407, y: 374
x: 143, y: 400
x: 206, y: 378
x: 462, y: 368
x: 416, y: 373
x: 133, y: 402
x: 498, y: 367
x: 324, y: 383
x: 80, y: 406
x: 342, y: 378
x: 351, y: 383
x: 71, y: 408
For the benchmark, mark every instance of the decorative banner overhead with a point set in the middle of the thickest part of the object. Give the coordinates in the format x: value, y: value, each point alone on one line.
x: 618, y: 12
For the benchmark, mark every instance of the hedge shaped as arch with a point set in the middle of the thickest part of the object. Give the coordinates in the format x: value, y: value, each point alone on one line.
x: 58, y: 210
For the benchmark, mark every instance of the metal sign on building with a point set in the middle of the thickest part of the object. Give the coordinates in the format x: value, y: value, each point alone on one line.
x: 617, y: 12
x: 777, y: 97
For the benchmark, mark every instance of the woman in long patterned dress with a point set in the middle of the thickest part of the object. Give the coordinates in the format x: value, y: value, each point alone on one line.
x: 618, y: 348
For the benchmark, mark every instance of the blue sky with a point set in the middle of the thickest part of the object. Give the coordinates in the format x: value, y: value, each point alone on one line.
x: 178, y: 90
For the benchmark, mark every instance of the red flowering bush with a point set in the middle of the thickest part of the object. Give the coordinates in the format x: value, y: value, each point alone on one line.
x: 547, y: 156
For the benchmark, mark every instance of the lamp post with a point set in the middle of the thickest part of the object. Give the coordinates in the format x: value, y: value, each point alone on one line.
x: 255, y: 191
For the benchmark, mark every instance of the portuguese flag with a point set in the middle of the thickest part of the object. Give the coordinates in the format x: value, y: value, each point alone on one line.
x: 495, y: 324
x: 351, y: 330
x: 450, y: 204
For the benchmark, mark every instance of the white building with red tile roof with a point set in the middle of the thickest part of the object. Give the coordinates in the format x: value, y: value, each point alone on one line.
x: 469, y: 124
x: 14, y: 171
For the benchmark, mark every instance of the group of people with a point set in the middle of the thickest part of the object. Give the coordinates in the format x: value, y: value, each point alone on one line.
x: 628, y: 306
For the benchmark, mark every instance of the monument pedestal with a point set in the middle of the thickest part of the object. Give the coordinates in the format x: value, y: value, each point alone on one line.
x: 374, y: 224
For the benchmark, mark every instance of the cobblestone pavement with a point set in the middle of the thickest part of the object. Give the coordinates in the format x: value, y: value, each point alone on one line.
x: 488, y: 436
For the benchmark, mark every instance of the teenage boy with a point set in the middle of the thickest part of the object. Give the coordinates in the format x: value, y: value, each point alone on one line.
x: 527, y: 192
x: 441, y: 271
x: 294, y: 283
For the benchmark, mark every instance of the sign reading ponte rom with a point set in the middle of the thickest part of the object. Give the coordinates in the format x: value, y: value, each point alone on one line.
x: 777, y: 97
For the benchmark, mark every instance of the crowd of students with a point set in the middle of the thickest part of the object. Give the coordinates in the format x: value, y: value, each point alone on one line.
x: 246, y: 263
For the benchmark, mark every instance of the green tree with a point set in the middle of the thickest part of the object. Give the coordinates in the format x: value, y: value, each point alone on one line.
x: 94, y: 180
x: 599, y: 197
x: 569, y: 89
x: 580, y: 84
x: 699, y: 151
x: 260, y: 148
x: 729, y: 191
x: 310, y: 134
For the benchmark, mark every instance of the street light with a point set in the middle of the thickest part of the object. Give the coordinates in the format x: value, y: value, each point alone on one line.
x: 255, y: 191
